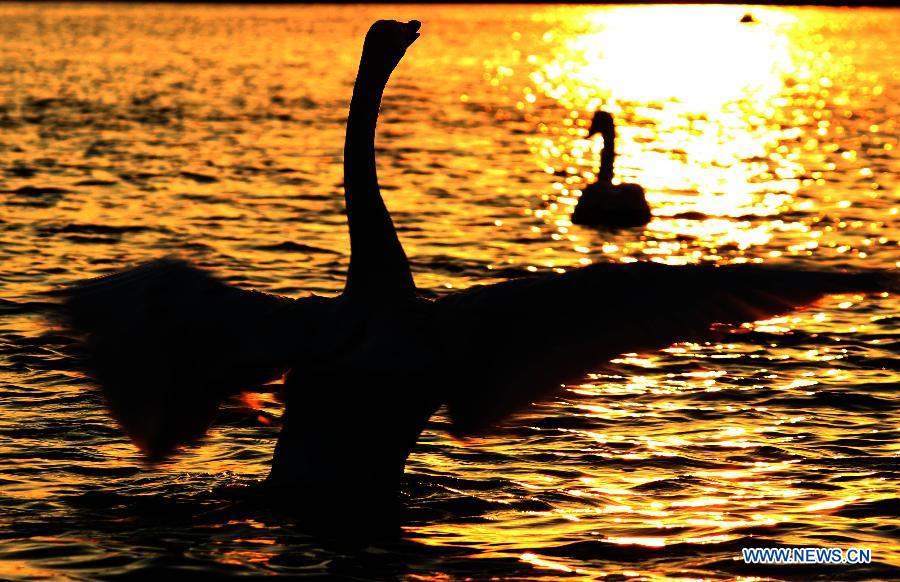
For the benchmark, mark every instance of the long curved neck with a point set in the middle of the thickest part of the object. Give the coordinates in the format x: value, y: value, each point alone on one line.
x: 379, y: 268
x: 608, y: 155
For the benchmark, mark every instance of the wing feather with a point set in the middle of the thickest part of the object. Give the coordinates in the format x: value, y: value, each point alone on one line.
x: 518, y: 341
x: 167, y: 342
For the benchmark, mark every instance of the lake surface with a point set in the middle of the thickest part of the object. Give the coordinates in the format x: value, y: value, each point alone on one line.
x: 215, y: 133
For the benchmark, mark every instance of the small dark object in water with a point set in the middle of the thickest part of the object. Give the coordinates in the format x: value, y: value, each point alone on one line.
x: 691, y: 215
x: 21, y: 171
x: 747, y: 18
x: 92, y: 182
x: 200, y: 178
x: 39, y: 191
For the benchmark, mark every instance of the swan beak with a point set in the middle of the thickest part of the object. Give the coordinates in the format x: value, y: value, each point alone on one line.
x: 411, y: 29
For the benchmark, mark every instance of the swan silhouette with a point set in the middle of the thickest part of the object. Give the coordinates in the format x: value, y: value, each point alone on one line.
x: 604, y: 203
x: 167, y: 342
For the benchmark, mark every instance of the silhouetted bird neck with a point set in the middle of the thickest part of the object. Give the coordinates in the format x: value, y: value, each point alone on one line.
x: 361, y: 190
x: 604, y: 125
x: 379, y: 268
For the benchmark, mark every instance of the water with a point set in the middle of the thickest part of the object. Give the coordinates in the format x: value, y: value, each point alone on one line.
x: 130, y: 132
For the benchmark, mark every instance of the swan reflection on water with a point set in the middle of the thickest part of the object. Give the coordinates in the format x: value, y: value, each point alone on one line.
x: 167, y: 342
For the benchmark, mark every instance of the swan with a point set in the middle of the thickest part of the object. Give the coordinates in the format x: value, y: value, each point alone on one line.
x: 166, y: 342
x: 604, y: 203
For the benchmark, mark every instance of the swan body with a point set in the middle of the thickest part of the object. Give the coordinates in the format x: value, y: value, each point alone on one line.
x: 168, y: 342
x: 604, y: 203
x: 612, y: 205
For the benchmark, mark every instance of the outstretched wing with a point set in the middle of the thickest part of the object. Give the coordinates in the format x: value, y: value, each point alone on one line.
x: 518, y: 341
x: 167, y: 342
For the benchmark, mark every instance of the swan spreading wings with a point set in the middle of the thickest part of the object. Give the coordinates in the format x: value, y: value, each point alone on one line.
x: 168, y: 342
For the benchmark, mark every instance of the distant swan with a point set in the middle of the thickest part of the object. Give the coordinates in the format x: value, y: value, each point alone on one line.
x: 168, y: 342
x: 604, y: 203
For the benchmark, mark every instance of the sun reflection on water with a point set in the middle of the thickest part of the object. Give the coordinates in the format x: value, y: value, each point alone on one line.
x: 728, y: 127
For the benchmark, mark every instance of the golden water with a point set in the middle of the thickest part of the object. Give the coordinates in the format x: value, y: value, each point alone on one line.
x: 215, y: 133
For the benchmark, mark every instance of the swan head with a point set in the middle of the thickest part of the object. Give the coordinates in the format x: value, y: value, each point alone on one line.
x: 386, y: 43
x: 602, y: 124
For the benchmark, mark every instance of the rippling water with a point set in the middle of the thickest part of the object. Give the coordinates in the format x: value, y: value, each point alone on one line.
x: 127, y: 133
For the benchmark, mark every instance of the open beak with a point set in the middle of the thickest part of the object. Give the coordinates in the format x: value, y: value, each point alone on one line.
x: 411, y: 29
